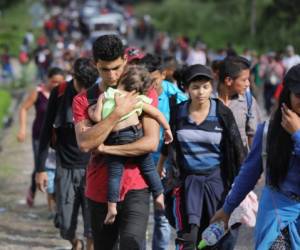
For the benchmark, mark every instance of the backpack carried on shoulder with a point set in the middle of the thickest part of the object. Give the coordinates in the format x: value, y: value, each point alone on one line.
x: 249, y: 100
x: 92, y: 94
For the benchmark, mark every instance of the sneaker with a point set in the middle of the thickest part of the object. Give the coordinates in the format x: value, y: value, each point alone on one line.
x: 29, y: 198
x: 56, y: 220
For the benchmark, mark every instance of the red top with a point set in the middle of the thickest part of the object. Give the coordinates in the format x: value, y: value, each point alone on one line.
x: 278, y: 92
x: 97, y: 175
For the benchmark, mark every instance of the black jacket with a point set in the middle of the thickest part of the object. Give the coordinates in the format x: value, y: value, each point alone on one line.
x: 59, y: 122
x: 231, y: 144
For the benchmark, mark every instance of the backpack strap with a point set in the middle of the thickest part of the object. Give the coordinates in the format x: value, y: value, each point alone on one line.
x: 175, y: 147
x: 173, y: 112
x: 92, y: 94
x: 249, y: 100
x: 172, y: 101
x: 264, y: 145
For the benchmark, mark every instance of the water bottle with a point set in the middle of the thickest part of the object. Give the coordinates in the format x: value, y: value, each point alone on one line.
x: 212, y: 234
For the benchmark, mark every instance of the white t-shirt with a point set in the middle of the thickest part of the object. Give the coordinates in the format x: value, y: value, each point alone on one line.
x: 289, y: 62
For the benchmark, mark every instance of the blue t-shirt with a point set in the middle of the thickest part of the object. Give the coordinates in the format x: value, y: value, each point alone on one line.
x: 168, y: 89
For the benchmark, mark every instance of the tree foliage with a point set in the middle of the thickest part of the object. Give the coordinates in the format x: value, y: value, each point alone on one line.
x: 7, y: 3
x: 280, y: 24
x: 217, y: 22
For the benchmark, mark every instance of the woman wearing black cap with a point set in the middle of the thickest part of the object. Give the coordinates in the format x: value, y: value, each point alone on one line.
x: 278, y: 220
x: 209, y: 152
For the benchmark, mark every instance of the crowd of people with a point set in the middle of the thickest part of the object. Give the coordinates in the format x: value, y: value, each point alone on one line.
x: 116, y: 124
x: 110, y: 153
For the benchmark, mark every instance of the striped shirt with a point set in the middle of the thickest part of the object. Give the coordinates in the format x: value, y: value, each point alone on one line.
x: 199, y: 144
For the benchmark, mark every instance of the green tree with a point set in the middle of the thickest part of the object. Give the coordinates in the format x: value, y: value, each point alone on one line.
x: 274, y: 24
x: 7, y: 3
x: 279, y: 25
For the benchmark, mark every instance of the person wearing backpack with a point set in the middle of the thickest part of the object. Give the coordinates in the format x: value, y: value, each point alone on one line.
x: 233, y: 91
x: 207, y: 151
x: 58, y: 130
x: 275, y: 151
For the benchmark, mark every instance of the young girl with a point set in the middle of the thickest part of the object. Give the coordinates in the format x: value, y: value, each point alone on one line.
x: 134, y: 78
x: 209, y: 152
x: 278, y: 221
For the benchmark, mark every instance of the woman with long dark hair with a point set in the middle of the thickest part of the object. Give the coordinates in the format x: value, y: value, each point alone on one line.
x: 38, y: 98
x: 278, y: 220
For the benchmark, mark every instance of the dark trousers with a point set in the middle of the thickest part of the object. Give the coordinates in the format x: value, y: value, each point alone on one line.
x: 116, y: 163
x: 70, y: 197
x: 201, y: 196
x: 269, y: 91
x: 35, y: 148
x: 189, y: 238
x: 129, y: 227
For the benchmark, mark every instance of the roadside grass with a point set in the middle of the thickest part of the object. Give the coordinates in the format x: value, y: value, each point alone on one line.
x: 6, y: 171
x: 15, y: 21
x: 5, y: 101
x: 26, y: 77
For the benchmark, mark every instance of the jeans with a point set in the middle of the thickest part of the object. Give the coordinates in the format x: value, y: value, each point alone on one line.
x: 130, y: 224
x: 116, y: 163
x: 161, y: 232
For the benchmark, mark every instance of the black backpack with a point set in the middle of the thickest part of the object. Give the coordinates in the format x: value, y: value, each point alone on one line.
x: 92, y: 94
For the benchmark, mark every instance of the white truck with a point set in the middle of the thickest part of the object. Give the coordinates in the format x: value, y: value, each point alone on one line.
x: 105, y: 24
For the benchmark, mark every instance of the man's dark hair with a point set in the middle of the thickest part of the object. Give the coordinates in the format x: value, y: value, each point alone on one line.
x: 108, y: 48
x: 215, y: 65
x: 232, y: 66
x: 85, y: 72
x: 151, y: 62
x: 169, y: 61
x: 55, y: 71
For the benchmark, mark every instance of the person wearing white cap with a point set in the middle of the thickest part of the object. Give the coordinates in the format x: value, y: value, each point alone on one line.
x: 291, y: 58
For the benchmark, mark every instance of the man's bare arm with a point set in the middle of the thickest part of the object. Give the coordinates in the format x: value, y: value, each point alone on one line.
x: 90, y: 136
x: 147, y: 144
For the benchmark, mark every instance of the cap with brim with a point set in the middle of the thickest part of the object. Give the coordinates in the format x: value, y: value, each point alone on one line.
x: 292, y: 79
x: 197, y: 70
x: 133, y: 53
